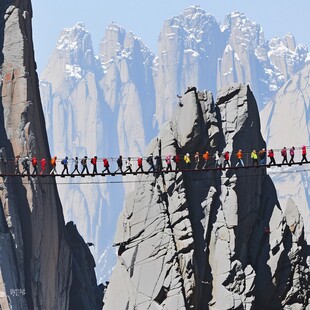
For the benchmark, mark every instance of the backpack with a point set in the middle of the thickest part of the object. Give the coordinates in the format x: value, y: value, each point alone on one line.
x: 283, y: 152
x: 149, y: 160
x: 83, y: 161
x: 92, y: 161
x: 25, y: 163
x: 63, y: 162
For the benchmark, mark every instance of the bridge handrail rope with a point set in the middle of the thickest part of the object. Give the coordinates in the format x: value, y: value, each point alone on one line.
x: 114, y: 159
x: 215, y: 161
x: 155, y: 172
x: 92, y: 181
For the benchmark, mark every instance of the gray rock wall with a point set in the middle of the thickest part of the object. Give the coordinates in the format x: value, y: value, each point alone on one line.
x: 215, y: 239
x: 36, y: 259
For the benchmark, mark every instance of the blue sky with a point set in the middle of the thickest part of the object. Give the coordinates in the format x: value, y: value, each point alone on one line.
x: 145, y: 18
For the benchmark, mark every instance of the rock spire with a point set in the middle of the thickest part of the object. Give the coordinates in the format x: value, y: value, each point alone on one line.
x: 210, y: 240
x: 38, y: 261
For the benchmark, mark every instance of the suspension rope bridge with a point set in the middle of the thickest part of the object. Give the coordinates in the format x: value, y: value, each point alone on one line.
x: 215, y: 162
x: 162, y: 171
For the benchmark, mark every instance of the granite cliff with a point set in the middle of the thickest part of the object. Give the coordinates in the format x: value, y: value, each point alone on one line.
x: 210, y: 240
x: 40, y: 266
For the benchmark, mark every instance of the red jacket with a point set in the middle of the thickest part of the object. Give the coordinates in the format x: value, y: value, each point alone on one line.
x: 106, y: 163
x: 176, y: 158
x: 304, y: 150
x: 34, y: 161
x: 139, y: 161
x: 226, y: 156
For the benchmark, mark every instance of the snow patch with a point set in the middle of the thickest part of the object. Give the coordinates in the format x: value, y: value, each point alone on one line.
x: 74, y: 71
x: 190, y: 51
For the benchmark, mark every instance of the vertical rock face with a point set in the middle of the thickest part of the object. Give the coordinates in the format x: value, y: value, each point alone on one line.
x: 98, y: 106
x: 128, y: 87
x: 36, y: 259
x: 74, y: 106
x: 286, y: 123
x: 216, y: 239
x: 286, y: 56
x: 189, y: 46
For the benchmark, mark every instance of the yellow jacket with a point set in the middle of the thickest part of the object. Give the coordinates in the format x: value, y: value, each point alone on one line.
x: 254, y: 155
x: 187, y: 159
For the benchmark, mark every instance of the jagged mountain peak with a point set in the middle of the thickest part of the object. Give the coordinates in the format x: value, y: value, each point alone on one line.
x: 239, y: 18
x: 286, y: 57
x: 118, y: 43
x: 70, y: 38
x: 73, y: 56
x: 288, y: 44
x: 195, y: 13
x: 193, y: 21
x: 208, y: 241
x: 245, y: 30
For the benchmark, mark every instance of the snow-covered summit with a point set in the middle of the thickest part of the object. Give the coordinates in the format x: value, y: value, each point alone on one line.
x: 118, y: 44
x: 70, y: 37
x: 73, y: 56
x: 286, y: 57
x: 243, y: 31
x: 194, y: 21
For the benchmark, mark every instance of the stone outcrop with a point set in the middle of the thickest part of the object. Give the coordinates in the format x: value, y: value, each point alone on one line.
x: 36, y: 259
x: 210, y: 240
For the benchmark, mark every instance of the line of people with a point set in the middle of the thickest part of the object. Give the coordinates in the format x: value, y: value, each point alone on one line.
x: 262, y: 156
x: 221, y: 160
